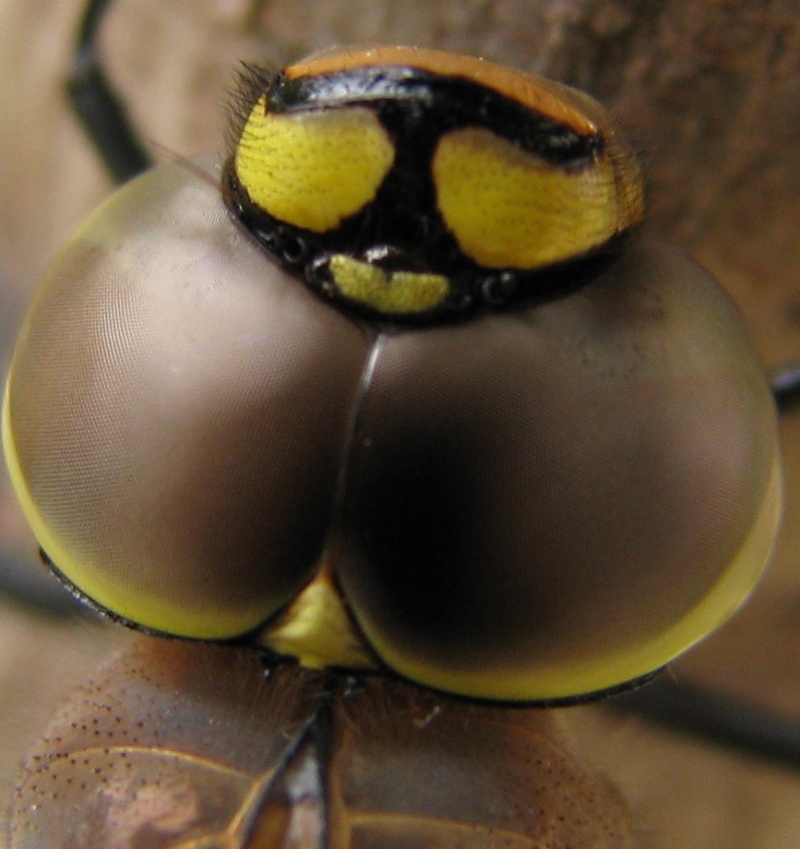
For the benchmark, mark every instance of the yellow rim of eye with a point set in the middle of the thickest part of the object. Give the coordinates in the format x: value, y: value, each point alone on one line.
x: 171, y: 617
x: 27, y: 503
x: 629, y: 662
x: 508, y: 208
x: 312, y: 169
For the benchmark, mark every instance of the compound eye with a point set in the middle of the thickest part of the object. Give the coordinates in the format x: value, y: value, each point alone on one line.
x: 560, y: 501
x: 174, y: 417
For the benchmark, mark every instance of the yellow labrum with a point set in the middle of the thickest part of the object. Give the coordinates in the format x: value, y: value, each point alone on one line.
x: 509, y: 208
x: 399, y: 292
x: 317, y: 629
x: 312, y: 169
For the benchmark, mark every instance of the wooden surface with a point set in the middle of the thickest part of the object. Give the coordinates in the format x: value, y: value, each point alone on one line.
x: 711, y: 90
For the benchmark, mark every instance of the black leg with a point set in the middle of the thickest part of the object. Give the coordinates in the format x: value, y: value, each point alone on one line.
x: 742, y: 726
x: 786, y: 386
x: 97, y: 106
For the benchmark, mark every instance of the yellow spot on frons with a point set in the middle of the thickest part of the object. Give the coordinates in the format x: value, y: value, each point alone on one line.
x: 509, y: 208
x: 312, y: 169
x: 388, y: 292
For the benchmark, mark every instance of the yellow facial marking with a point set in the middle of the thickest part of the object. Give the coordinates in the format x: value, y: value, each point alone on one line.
x: 313, y: 169
x: 508, y: 208
x: 318, y: 631
x: 398, y: 292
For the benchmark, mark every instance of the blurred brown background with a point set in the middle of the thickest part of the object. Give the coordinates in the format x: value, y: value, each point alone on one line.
x: 711, y: 90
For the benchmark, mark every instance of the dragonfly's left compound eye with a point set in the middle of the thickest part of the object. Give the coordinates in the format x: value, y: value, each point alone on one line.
x: 539, y: 500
